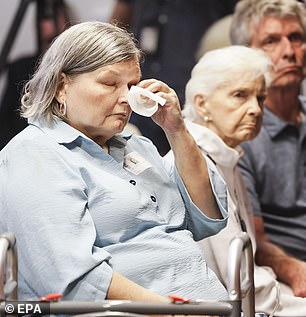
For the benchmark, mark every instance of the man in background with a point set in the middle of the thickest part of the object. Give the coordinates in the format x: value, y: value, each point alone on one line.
x: 274, y: 163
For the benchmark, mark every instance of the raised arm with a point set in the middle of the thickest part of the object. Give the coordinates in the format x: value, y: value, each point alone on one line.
x: 189, y: 161
x: 193, y: 171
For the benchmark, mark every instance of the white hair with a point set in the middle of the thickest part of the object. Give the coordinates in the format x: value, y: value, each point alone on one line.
x: 218, y: 67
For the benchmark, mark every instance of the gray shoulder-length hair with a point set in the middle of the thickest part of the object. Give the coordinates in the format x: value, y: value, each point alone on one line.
x: 82, y: 48
x: 247, y: 11
x: 217, y: 68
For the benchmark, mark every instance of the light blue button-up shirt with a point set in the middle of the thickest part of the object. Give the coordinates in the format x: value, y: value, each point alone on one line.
x: 78, y: 213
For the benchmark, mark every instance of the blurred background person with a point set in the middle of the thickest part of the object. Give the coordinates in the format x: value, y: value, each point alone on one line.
x: 52, y: 17
x: 274, y: 163
x: 169, y: 33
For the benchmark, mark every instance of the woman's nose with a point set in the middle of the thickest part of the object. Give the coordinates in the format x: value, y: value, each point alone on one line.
x: 124, y: 94
x: 255, y: 107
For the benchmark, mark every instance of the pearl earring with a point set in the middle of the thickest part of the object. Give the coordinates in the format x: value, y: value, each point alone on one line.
x: 206, y: 118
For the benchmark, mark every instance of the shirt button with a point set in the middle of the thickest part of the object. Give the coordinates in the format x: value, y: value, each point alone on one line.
x: 153, y: 199
x: 132, y: 182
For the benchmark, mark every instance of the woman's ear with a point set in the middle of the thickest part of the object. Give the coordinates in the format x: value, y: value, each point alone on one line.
x: 60, y: 95
x: 200, y: 102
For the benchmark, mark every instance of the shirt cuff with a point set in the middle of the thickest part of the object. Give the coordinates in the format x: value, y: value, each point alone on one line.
x: 93, y: 286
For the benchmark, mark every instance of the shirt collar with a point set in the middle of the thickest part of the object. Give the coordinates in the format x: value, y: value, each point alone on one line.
x: 273, y: 124
x: 63, y: 133
x: 213, y: 145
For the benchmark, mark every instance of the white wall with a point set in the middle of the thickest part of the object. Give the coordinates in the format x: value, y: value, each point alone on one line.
x: 24, y: 43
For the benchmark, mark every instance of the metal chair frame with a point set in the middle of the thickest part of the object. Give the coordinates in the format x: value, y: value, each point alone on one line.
x: 240, y: 246
x: 8, y: 267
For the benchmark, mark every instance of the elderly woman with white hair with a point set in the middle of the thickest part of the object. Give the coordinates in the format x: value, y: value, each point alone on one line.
x: 224, y: 107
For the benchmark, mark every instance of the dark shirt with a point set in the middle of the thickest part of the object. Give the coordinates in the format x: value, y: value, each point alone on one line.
x: 10, y: 121
x: 169, y: 33
x: 274, y: 169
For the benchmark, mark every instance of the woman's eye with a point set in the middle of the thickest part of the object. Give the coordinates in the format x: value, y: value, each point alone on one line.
x: 109, y: 83
x: 133, y: 83
x: 240, y: 94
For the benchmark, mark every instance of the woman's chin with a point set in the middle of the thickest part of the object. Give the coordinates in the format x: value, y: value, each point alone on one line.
x: 119, y: 126
x: 249, y: 136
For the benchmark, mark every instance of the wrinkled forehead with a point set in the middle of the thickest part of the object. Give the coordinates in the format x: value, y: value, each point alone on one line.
x: 250, y: 80
x: 264, y: 23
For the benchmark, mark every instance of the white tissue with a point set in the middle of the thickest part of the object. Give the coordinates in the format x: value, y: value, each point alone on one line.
x: 143, y: 101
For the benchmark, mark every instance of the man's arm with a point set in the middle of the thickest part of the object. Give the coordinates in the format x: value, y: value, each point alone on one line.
x: 288, y: 269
